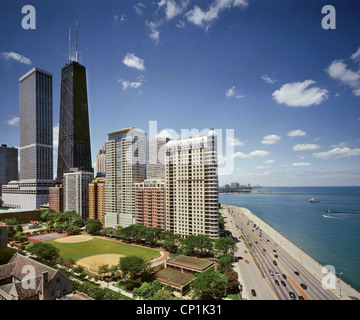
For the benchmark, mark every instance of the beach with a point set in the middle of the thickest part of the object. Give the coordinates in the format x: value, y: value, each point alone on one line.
x: 340, y: 289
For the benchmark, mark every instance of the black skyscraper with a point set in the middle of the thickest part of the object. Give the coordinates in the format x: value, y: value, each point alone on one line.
x: 74, y: 150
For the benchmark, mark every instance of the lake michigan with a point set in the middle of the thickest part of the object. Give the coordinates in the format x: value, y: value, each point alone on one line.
x: 330, y: 239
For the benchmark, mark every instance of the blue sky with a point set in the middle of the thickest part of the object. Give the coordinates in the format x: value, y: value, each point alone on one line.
x: 288, y: 88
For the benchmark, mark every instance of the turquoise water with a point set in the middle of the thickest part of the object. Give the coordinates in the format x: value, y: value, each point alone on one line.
x: 333, y: 240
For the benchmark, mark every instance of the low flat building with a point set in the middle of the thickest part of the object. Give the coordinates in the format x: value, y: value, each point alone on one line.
x: 25, y: 279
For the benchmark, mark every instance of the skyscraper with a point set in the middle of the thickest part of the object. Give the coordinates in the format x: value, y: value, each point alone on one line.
x: 8, y: 164
x: 192, y: 186
x: 36, y: 142
x: 74, y: 150
x: 125, y: 165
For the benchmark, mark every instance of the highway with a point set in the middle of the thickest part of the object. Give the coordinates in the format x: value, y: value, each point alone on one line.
x: 273, y: 277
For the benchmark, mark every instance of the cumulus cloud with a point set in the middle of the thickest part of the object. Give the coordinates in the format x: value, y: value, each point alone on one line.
x: 128, y: 84
x: 133, y: 61
x: 338, y: 153
x: 154, y: 32
x: 14, y: 121
x: 298, y: 94
x: 338, y: 70
x: 271, y: 139
x: 306, y: 147
x: 205, y: 18
x: 296, y: 133
x: 253, y: 154
x: 234, y: 142
x: 17, y: 57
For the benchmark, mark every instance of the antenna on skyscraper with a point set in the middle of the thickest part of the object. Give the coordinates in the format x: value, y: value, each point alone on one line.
x: 76, y: 43
x: 69, y: 45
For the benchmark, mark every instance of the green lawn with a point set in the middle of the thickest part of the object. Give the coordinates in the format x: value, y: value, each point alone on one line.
x: 99, y: 246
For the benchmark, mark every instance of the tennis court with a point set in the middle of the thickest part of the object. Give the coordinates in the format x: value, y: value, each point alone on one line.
x: 46, y: 237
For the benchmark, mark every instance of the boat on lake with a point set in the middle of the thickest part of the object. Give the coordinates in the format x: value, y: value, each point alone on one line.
x: 314, y: 200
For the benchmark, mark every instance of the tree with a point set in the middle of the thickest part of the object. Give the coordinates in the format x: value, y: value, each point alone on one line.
x: 233, y: 280
x: 224, y: 262
x: 45, y: 251
x: 134, y: 270
x: 225, y: 246
x: 93, y: 226
x: 209, y: 285
x: 197, y: 245
x: 147, y: 290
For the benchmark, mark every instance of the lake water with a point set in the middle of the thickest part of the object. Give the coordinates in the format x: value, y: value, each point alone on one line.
x: 330, y: 239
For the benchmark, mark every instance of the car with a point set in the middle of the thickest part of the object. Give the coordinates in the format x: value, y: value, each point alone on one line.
x: 275, y: 263
x: 247, y: 261
x: 303, y: 285
x: 283, y: 283
x: 296, y: 272
x: 277, y: 282
x: 263, y: 252
x: 301, y: 298
x: 253, y: 292
x: 277, y: 273
x: 271, y: 272
x: 276, y: 256
x: 284, y: 276
x: 292, y: 295
x: 274, y: 250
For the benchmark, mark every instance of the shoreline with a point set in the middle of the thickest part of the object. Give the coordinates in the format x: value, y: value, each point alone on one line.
x: 312, y: 266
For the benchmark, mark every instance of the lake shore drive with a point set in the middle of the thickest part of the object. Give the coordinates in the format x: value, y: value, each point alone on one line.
x: 342, y: 290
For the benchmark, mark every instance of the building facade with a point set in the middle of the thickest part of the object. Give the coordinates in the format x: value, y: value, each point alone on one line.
x: 56, y: 198
x: 125, y: 165
x: 8, y: 165
x: 101, y: 162
x: 156, y: 158
x: 74, y: 149
x: 76, y: 192
x: 36, y: 142
x: 192, y: 186
x: 150, y: 203
x: 25, y: 279
x: 97, y: 200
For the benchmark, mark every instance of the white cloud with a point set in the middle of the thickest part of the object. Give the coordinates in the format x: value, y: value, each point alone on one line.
x: 298, y: 94
x: 205, y: 18
x: 232, y: 93
x: 338, y: 70
x: 306, y: 147
x: 172, y: 9
x: 14, y: 121
x: 154, y: 32
x: 269, y: 161
x: 338, y: 153
x: 134, y: 62
x: 132, y: 85
x: 234, y: 142
x: 271, y: 139
x: 301, y: 164
x: 139, y: 8
x: 296, y: 133
x: 168, y: 133
x: 253, y: 154
x: 356, y: 56
x: 17, y: 57
x: 268, y: 79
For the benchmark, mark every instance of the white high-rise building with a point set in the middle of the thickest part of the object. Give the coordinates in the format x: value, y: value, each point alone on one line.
x: 125, y: 166
x: 192, y: 186
x: 36, y: 143
x: 76, y: 192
